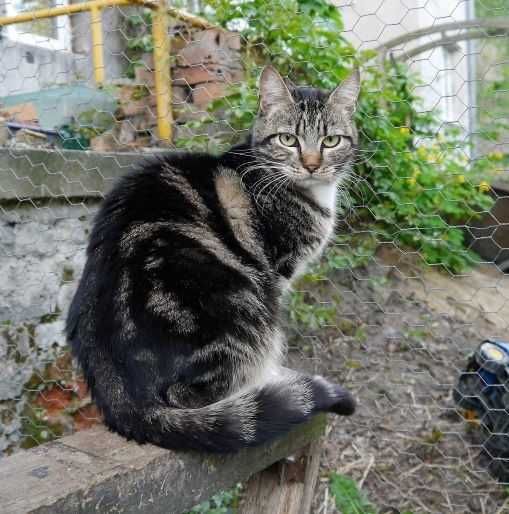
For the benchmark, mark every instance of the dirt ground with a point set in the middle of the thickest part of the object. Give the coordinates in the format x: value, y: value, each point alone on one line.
x: 400, y: 339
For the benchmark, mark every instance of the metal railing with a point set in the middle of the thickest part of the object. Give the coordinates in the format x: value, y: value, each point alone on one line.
x: 160, y: 25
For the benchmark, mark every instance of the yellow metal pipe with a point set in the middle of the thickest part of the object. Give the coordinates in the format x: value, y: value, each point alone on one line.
x: 161, y: 38
x: 97, y: 44
x: 192, y: 19
x: 65, y: 10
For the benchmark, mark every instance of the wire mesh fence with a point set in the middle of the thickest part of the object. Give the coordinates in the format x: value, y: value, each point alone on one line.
x: 413, y: 282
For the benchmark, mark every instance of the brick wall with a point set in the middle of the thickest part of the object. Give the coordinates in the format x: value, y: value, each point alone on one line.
x: 204, y: 64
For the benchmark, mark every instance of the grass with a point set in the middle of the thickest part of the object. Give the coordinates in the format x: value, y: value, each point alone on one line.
x: 224, y: 502
x: 349, y: 498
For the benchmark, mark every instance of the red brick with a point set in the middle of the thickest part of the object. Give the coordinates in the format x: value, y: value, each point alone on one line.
x: 134, y: 107
x: 234, y: 40
x: 130, y: 102
x: 144, y: 76
x: 203, y: 94
x: 22, y: 113
x: 197, y: 74
x: 207, y: 47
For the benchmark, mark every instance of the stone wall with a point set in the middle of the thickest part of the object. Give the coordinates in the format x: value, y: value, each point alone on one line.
x: 47, y: 203
x: 41, y: 258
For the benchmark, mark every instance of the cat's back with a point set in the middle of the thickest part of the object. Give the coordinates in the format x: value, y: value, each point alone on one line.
x: 171, y: 186
x: 177, y: 211
x: 175, y: 232
x: 146, y: 229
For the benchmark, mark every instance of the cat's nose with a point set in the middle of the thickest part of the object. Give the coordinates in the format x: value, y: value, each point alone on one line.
x: 311, y: 162
x: 312, y: 167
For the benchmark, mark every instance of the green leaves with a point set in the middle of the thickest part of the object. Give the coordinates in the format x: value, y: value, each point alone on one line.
x: 422, y: 186
x: 225, y: 502
x: 349, y: 499
x: 419, y: 186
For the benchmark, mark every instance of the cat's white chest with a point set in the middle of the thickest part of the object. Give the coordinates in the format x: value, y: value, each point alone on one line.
x: 325, y: 196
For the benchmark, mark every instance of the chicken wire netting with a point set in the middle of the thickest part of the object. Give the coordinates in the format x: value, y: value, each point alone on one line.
x: 413, y: 282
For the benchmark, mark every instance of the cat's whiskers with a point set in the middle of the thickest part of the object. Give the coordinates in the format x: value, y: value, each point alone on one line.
x: 264, y: 182
x: 284, y: 183
x: 255, y: 167
x: 355, y: 182
x: 273, y: 180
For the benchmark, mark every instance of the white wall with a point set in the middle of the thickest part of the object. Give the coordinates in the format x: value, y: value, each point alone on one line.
x: 25, y: 68
x: 444, y: 71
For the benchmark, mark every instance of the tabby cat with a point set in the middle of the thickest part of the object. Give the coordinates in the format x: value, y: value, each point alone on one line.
x: 176, y: 318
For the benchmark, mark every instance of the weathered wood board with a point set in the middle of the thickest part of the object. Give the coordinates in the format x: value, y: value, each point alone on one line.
x: 97, y: 471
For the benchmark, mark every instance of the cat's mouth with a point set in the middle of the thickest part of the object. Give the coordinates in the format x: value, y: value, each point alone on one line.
x: 313, y: 179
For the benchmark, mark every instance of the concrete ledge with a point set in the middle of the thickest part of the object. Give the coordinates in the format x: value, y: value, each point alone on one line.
x: 41, y: 174
x: 97, y: 471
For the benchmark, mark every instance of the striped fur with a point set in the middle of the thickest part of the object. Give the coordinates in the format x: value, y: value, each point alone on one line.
x: 176, y: 319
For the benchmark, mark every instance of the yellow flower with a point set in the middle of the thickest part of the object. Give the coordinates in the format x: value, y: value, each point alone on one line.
x: 484, y: 186
x: 460, y: 179
x: 435, y: 157
x: 404, y: 130
x: 422, y: 151
x: 497, y: 156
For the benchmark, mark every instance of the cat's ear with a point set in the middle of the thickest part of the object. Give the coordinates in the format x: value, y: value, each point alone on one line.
x: 274, y: 92
x: 345, y: 96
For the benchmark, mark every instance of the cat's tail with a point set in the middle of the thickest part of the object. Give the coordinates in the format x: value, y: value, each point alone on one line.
x: 248, y: 418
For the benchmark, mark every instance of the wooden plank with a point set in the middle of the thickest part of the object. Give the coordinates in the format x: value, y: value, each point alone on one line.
x: 286, y: 487
x: 98, y: 471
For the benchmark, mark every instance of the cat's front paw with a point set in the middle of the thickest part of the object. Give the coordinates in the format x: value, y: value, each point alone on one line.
x: 338, y: 400
x: 345, y: 403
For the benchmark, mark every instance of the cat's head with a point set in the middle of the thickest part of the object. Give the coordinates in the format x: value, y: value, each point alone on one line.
x: 304, y: 133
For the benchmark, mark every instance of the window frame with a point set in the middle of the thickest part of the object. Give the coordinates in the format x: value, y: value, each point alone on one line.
x: 63, y: 25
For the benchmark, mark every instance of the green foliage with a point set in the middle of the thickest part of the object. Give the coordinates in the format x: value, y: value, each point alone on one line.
x: 419, y: 186
x: 306, y: 312
x: 349, y: 252
x: 349, y: 499
x: 37, y: 431
x: 225, y: 502
x: 491, y: 8
x: 139, y: 38
x: 140, y: 25
x: 92, y: 123
x: 493, y: 75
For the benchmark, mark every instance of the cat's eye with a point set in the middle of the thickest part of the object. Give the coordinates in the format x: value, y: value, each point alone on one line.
x: 331, y: 141
x: 288, y: 139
